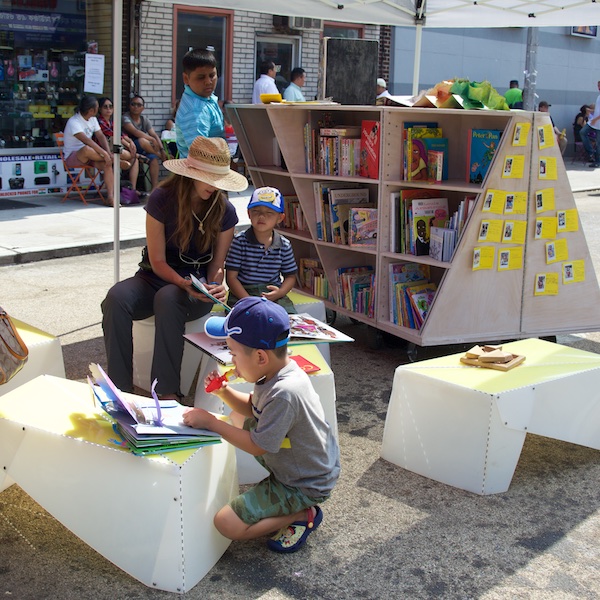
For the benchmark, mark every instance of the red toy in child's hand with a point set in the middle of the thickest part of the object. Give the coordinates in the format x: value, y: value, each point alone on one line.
x: 217, y: 382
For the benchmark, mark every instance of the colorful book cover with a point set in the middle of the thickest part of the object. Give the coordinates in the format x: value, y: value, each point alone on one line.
x: 436, y: 242
x: 416, y: 151
x: 435, y: 166
x: 305, y: 364
x: 407, y: 125
x: 369, y: 149
x: 363, y: 226
x: 427, y: 212
x: 420, y: 303
x: 404, y: 273
x: 405, y: 225
x: 481, y: 147
x: 344, y: 196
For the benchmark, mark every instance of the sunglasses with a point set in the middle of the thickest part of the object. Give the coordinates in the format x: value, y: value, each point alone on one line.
x: 136, y: 104
x: 107, y: 106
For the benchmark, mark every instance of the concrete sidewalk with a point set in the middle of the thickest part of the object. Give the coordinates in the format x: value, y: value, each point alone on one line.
x: 43, y: 227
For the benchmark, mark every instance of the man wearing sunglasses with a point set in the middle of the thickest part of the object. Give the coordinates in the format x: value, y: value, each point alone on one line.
x: 140, y: 130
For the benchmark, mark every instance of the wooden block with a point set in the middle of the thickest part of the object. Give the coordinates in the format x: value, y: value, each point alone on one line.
x: 496, y: 356
x: 474, y: 352
x: 490, y: 347
x: 473, y: 362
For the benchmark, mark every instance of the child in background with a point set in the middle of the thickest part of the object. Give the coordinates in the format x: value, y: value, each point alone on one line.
x: 199, y: 112
x: 281, y: 423
x: 261, y: 261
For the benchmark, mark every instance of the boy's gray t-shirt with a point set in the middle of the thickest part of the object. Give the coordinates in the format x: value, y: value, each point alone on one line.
x: 301, y: 448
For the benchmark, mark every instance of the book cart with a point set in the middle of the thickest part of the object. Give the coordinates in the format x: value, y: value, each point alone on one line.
x: 474, y: 301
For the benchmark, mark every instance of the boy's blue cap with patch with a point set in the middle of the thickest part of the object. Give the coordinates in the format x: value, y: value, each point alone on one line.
x: 255, y: 322
x: 267, y: 196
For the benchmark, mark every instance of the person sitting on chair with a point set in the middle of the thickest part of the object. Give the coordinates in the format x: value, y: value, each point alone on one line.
x: 128, y: 154
x: 80, y: 148
x: 146, y: 140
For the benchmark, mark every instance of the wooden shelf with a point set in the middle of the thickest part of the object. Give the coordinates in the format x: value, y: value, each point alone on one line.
x: 469, y: 306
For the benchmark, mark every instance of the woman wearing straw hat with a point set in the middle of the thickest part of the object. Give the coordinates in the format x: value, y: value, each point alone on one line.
x: 189, y: 227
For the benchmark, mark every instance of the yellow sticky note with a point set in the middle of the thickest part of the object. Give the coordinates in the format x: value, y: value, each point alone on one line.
x: 494, y: 202
x: 510, y: 259
x: 567, y: 220
x: 547, y: 167
x: 545, y: 136
x: 515, y: 203
x: 483, y: 258
x: 514, y: 232
x: 544, y: 200
x: 514, y: 166
x: 521, y: 134
x: 546, y: 284
x: 573, y: 272
x: 490, y: 230
x: 545, y: 228
x: 557, y: 251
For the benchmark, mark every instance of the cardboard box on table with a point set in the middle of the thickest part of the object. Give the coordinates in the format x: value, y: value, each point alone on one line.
x: 465, y: 426
x: 151, y: 516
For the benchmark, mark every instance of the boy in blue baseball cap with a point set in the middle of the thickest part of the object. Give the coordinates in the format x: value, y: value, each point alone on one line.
x: 283, y: 427
x: 261, y: 261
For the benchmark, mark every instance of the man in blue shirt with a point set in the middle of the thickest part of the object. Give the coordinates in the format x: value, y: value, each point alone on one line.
x: 199, y: 112
x: 293, y: 93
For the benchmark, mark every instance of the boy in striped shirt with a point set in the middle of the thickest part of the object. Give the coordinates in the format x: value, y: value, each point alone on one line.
x: 260, y: 260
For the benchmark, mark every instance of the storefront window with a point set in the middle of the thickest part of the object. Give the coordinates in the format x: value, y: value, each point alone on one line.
x: 42, y: 66
x: 197, y: 29
x: 343, y: 31
x: 284, y: 51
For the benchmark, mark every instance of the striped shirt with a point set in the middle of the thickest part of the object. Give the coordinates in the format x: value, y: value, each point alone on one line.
x: 196, y: 116
x: 255, y: 264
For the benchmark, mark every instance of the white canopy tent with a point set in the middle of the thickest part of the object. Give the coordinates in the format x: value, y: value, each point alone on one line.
x: 411, y: 13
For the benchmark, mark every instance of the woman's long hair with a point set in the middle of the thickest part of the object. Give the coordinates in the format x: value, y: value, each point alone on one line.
x: 187, y: 226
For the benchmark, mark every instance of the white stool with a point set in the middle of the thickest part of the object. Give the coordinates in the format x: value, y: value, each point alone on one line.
x: 152, y: 516
x: 143, y: 350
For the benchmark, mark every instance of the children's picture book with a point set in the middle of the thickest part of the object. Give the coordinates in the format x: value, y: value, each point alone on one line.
x: 481, y: 147
x: 436, y: 243
x: 404, y: 226
x: 425, y: 213
x: 198, y: 284
x: 435, y: 166
x: 369, y: 149
x: 304, y: 329
x: 339, y: 219
x: 404, y: 273
x: 363, y: 227
x: 416, y: 148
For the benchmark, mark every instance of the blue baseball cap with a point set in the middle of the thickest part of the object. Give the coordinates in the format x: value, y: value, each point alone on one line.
x: 255, y: 322
x: 267, y: 196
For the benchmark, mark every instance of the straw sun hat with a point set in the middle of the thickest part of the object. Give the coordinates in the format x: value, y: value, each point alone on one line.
x: 208, y: 161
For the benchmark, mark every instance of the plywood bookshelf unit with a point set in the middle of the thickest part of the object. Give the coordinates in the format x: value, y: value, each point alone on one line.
x: 469, y: 306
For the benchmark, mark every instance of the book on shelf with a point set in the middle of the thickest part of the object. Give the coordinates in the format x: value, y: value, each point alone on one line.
x: 312, y: 277
x: 435, y: 166
x: 356, y: 289
x: 406, y: 127
x: 363, y: 227
x: 421, y: 298
x: 418, y: 142
x: 481, y: 147
x: 403, y: 224
x: 294, y: 215
x: 323, y: 212
x: 304, y: 329
x: 442, y: 242
x: 346, y: 197
x: 404, y: 272
x: 425, y: 213
x: 369, y: 149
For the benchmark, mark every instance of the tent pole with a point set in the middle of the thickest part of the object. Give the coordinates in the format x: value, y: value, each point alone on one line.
x: 529, y: 94
x: 417, y: 63
x: 117, y: 92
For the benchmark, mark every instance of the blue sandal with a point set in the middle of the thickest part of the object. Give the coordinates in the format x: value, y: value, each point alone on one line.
x: 294, y: 536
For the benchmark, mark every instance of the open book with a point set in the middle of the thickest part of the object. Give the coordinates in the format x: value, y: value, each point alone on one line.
x: 304, y: 329
x: 199, y: 286
x: 147, y: 424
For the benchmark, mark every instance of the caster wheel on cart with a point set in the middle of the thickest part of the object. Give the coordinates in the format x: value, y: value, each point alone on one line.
x: 374, y: 338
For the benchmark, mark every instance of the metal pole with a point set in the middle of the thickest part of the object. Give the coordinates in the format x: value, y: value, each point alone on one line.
x: 117, y: 92
x: 529, y: 95
x: 417, y: 63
